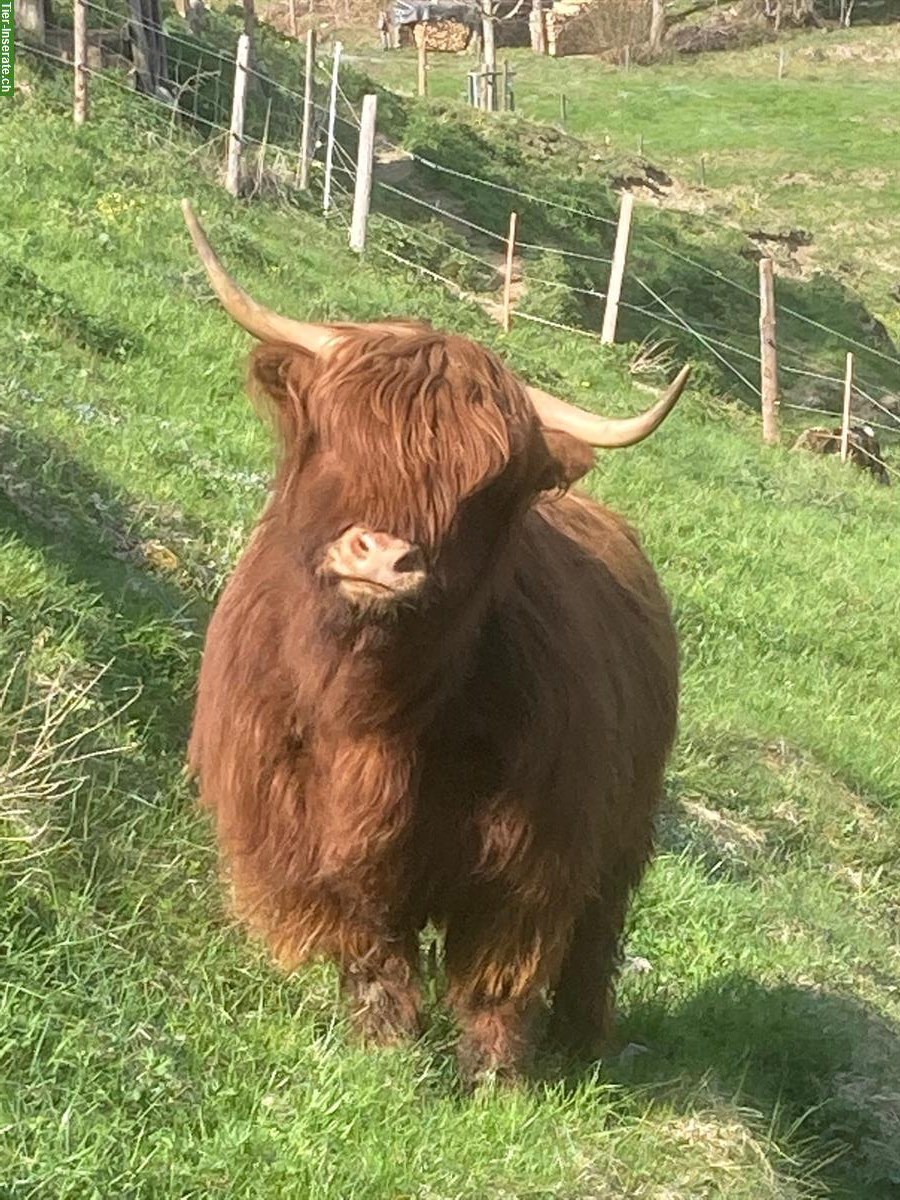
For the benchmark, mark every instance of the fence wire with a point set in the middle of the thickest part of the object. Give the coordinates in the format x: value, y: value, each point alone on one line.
x: 500, y: 187
x: 344, y: 173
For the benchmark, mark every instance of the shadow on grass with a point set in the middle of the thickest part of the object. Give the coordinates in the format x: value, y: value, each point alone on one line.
x: 39, y: 303
x: 147, y: 625
x: 821, y: 1069
x: 741, y: 808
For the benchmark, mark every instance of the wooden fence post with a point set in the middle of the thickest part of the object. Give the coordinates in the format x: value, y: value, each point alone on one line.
x: 768, y: 352
x: 293, y: 14
x: 363, y: 192
x: 306, y: 135
x: 236, y: 134
x: 507, y: 279
x: 423, y: 64
x: 332, y: 113
x: 617, y: 271
x: 82, y: 102
x: 563, y: 108
x: 848, y: 394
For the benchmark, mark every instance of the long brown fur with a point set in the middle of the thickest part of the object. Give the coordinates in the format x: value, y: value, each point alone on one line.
x: 488, y: 759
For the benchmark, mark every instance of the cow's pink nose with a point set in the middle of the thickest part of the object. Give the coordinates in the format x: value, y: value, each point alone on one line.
x: 377, y: 560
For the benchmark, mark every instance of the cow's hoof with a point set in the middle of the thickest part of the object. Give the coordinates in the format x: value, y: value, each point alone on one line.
x: 481, y: 1068
x: 381, y: 1015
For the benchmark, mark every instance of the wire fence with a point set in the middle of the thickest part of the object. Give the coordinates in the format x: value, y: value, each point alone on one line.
x: 466, y: 256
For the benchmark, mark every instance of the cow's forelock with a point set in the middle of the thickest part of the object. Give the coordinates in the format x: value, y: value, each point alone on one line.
x: 416, y: 426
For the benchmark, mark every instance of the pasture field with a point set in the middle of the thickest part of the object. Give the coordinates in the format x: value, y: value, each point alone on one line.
x: 814, y: 152
x: 147, y: 1049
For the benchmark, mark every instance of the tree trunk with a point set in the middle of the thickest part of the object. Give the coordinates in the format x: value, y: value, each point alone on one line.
x: 141, y: 53
x: 160, y: 50
x: 31, y: 18
x: 538, y: 27
x: 489, y: 60
x: 657, y: 25
x: 196, y: 16
x: 148, y: 46
x: 193, y: 12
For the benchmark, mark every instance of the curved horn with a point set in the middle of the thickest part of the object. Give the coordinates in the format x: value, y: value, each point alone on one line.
x: 606, y: 433
x: 262, y: 322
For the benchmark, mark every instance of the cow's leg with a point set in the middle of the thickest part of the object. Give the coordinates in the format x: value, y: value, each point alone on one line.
x: 496, y: 1038
x: 500, y: 959
x: 377, y: 959
x: 380, y: 980
x: 584, y: 999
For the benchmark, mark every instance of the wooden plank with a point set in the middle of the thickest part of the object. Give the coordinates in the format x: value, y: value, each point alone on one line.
x: 238, y: 105
x: 81, y: 109
x: 362, y: 193
x: 306, y: 133
x: 507, y: 278
x: 768, y: 352
x: 617, y: 271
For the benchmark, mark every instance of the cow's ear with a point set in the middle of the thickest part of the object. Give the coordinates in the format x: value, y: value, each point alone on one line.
x: 280, y: 372
x: 279, y: 378
x: 569, y: 458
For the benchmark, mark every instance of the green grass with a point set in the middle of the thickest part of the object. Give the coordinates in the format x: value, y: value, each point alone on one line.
x: 147, y: 1049
x: 692, y: 261
x: 811, y: 152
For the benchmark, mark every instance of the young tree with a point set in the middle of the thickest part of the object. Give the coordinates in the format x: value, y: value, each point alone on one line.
x: 657, y: 25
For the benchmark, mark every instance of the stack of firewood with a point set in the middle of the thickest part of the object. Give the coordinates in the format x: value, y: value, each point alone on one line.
x: 444, y: 37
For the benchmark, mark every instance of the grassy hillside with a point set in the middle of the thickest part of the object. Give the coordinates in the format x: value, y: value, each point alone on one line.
x: 147, y: 1049
x: 692, y: 273
x: 811, y: 152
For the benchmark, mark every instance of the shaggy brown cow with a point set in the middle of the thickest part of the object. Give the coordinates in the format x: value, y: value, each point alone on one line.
x: 437, y: 688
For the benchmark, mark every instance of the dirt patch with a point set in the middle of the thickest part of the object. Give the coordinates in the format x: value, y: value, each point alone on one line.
x: 791, y: 249
x: 682, y: 197
x: 728, y: 833
x: 644, y: 176
x: 828, y: 396
x: 871, y: 1086
x: 392, y: 165
x: 798, y: 179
